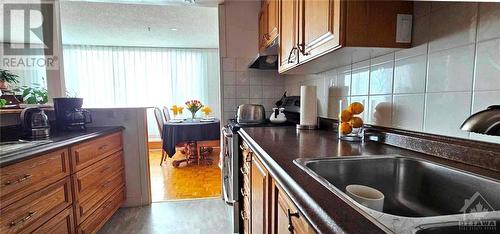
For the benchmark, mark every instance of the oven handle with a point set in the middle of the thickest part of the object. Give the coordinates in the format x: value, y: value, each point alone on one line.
x: 226, y: 133
x: 226, y: 198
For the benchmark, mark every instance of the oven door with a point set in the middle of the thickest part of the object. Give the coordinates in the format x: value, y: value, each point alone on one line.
x: 229, y: 156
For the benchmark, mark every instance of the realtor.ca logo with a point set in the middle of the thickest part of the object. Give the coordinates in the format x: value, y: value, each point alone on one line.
x: 474, y: 211
x: 28, y: 35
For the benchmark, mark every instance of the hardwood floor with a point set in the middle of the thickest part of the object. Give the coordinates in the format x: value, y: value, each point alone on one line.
x: 195, y: 181
x: 179, y: 217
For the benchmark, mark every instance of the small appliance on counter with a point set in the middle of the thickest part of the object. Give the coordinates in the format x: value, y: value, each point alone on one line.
x: 35, y: 123
x: 251, y: 114
x: 70, y: 115
x: 278, y: 116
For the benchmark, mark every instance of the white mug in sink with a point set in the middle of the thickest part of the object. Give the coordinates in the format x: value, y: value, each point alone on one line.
x: 366, y: 196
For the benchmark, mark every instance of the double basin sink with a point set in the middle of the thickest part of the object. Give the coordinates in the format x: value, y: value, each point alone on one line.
x: 418, y: 193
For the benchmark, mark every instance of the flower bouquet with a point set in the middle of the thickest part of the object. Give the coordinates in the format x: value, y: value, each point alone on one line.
x: 193, y: 106
x: 206, y: 110
x: 176, y: 110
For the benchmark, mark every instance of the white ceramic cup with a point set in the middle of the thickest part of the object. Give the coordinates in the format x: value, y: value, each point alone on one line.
x: 366, y: 196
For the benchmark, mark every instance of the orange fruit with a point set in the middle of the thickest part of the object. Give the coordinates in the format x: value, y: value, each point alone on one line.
x: 345, y: 128
x: 345, y: 116
x: 356, y: 122
x: 356, y: 108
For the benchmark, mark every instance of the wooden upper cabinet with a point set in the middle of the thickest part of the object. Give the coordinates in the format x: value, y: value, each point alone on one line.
x: 288, y: 34
x: 259, y: 197
x: 314, y: 29
x: 268, y: 23
x: 320, y: 31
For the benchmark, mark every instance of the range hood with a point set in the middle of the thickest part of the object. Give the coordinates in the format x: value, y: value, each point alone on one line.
x: 267, y: 59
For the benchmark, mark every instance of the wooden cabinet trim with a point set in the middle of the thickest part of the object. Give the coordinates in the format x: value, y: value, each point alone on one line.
x: 62, y: 223
x: 89, y: 152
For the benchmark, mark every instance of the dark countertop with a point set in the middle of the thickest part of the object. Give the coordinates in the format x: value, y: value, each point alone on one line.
x: 59, y: 139
x: 279, y: 146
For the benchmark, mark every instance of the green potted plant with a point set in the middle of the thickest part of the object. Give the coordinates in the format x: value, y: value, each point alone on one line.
x: 34, y: 94
x: 7, y: 78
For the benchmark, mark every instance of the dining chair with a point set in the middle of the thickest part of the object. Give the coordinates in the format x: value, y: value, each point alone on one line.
x: 166, y: 114
x: 160, y: 121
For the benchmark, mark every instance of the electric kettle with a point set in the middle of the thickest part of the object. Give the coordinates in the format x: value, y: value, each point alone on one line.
x: 278, y: 116
x: 35, y: 123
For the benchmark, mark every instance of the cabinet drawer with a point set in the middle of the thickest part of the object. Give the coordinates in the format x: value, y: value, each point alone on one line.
x: 62, y: 223
x: 88, y: 181
x: 22, y: 179
x: 85, y: 154
x: 30, y: 212
x: 105, y: 187
x: 101, y: 215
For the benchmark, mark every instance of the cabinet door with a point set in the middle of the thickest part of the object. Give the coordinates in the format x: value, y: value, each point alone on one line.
x: 320, y: 27
x: 272, y: 20
x: 286, y: 217
x: 259, y: 197
x: 262, y: 28
x: 288, y: 34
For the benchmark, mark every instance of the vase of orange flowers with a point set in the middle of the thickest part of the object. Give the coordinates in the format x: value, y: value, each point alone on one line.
x: 193, y: 106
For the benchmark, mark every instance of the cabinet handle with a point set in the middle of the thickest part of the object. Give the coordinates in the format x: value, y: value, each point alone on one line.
x: 302, y: 49
x: 290, y: 55
x: 243, y: 192
x: 267, y: 36
x: 248, y: 158
x: 22, y: 220
x: 105, y: 169
x: 244, y: 215
x: 243, y: 171
x: 102, y: 147
x: 290, y: 215
x: 243, y: 148
x: 25, y: 177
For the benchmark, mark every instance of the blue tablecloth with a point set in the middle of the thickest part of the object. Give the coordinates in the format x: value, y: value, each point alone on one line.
x: 188, y: 130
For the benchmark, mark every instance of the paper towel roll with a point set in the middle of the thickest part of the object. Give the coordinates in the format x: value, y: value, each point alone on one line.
x: 308, y: 106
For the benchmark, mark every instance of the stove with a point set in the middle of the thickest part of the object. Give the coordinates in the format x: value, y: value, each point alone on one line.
x: 230, y: 154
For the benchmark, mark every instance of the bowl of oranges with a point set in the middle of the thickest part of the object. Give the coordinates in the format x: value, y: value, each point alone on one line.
x: 350, y: 122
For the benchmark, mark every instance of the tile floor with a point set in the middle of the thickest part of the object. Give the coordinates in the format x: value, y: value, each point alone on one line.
x: 205, y: 216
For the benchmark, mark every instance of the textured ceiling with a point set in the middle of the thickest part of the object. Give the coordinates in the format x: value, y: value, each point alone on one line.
x: 119, y: 24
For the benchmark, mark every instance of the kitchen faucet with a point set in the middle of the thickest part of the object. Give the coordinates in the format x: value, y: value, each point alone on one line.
x: 485, y: 122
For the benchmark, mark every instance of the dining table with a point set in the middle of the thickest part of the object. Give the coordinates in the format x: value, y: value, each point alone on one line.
x: 189, y: 130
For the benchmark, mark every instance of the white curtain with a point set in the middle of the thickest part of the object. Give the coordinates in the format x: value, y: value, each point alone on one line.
x: 134, y: 76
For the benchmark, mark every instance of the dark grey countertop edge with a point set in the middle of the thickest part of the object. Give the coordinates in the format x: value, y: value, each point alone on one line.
x: 320, y: 220
x: 37, y: 150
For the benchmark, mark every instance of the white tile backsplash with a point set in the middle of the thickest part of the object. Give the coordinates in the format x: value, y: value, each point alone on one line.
x: 449, y: 74
x: 453, y: 26
x: 229, y: 91
x: 408, y: 111
x: 451, y: 70
x: 381, y: 77
x: 243, y: 91
x: 380, y: 110
x: 255, y: 91
x: 409, y: 75
x: 229, y: 78
x: 445, y: 113
x: 489, y: 21
x: 488, y: 65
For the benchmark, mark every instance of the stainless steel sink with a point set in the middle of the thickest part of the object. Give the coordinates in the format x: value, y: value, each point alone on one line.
x: 412, y: 187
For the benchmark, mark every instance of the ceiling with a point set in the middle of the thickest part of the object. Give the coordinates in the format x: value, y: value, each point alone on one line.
x: 149, y: 23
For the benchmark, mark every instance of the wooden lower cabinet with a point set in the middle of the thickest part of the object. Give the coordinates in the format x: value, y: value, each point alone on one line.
x: 266, y: 208
x: 69, y: 190
x: 259, y: 197
x: 99, y: 217
x: 29, y: 213
x: 62, y: 223
x: 286, y: 218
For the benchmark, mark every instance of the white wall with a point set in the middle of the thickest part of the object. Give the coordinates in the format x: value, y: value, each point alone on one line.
x: 238, y: 35
x: 451, y: 72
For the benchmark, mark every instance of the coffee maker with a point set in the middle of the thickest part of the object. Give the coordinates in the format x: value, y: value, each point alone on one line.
x: 70, y: 115
x: 35, y: 123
